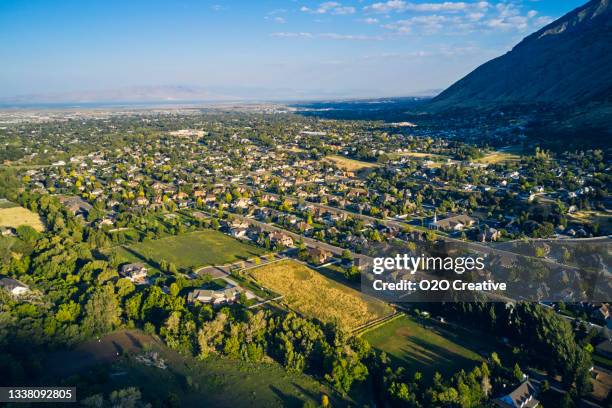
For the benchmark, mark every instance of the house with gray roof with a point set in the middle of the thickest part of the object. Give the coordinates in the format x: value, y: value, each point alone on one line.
x: 523, y: 396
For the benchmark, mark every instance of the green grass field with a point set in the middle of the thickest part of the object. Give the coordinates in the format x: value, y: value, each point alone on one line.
x: 428, y: 346
x: 192, y: 250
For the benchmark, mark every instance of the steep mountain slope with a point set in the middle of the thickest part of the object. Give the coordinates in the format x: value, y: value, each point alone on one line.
x: 566, y: 63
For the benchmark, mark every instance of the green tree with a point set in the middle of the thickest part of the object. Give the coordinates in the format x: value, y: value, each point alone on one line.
x: 68, y: 312
x: 102, y: 311
x: 517, y: 372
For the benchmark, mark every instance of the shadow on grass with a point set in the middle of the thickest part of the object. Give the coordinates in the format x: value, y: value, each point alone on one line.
x: 287, y: 399
x: 142, y: 258
x: 421, y: 355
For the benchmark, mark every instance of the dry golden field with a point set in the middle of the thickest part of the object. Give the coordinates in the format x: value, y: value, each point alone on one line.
x: 312, y: 294
x: 16, y: 216
x: 498, y: 157
x: 351, y: 165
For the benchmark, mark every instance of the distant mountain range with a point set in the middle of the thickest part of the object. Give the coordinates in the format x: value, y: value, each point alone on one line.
x: 132, y: 94
x: 186, y: 94
x: 566, y: 63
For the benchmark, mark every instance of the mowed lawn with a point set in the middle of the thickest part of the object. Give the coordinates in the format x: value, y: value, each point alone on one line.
x: 191, y: 250
x: 17, y: 216
x: 314, y: 295
x: 429, y: 346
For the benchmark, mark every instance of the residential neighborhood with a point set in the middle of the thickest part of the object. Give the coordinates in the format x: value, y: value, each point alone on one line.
x: 201, y: 229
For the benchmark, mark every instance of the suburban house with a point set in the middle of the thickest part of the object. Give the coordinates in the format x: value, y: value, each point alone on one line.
x: 199, y: 215
x: 361, y: 262
x: 141, y: 201
x: 14, y: 287
x: 136, y: 272
x: 304, y: 226
x: 239, y: 233
x: 279, y: 238
x: 318, y: 255
x: 215, y: 297
x: 76, y: 205
x: 357, y: 192
x: 241, y: 203
x: 237, y: 223
x: 455, y: 223
x: 523, y: 396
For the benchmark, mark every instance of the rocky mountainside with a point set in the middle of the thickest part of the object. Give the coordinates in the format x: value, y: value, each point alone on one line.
x: 566, y: 63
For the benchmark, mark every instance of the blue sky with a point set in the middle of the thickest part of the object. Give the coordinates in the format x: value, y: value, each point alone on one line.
x: 264, y: 48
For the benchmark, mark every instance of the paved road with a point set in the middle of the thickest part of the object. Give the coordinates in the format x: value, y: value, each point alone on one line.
x: 222, y: 271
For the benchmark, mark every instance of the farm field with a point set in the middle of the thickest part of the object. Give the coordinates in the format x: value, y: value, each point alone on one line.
x: 428, y: 346
x: 498, y: 157
x: 218, y: 382
x: 351, y: 165
x: 14, y: 216
x: 191, y: 250
x: 312, y: 294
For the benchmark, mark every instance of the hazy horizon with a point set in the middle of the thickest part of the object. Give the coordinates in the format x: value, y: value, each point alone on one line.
x: 271, y: 50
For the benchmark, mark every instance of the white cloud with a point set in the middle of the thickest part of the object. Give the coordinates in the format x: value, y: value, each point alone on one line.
x: 459, y: 17
x: 542, y: 21
x: 329, y: 7
x: 370, y: 20
x: 275, y: 15
x: 510, y: 17
x: 401, y: 5
x: 475, y: 16
x: 436, y: 7
x: 430, y: 24
x: 329, y: 36
x: 358, y: 37
x: 291, y: 35
x: 386, y: 7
